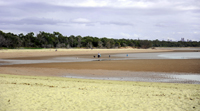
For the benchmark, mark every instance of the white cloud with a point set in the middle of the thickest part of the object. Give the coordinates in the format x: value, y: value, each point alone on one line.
x: 157, y: 31
x: 187, y: 8
x: 195, y: 32
x: 81, y: 20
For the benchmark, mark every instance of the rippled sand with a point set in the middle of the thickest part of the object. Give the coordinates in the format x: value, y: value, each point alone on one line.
x: 28, y: 93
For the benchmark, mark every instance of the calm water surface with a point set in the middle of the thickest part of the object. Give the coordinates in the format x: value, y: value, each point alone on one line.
x: 146, y: 77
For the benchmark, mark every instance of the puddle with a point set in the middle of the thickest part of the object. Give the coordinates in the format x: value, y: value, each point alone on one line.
x: 162, y: 55
x: 181, y: 55
x: 187, y: 77
x: 53, y: 60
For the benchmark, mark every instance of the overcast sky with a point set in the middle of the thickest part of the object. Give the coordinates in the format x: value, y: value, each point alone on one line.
x: 130, y: 19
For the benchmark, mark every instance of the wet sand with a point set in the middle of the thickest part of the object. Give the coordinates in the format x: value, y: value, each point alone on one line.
x: 191, y: 66
x: 186, y: 65
x: 3, y: 62
x: 146, y: 70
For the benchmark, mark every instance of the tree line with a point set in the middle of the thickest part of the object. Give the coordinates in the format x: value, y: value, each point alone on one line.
x: 57, y: 40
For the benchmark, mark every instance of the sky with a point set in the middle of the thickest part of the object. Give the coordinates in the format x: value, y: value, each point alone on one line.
x: 129, y: 19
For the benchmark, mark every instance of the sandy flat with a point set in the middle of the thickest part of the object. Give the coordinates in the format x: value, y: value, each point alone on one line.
x: 51, y: 93
x: 28, y: 53
x: 32, y: 87
x: 63, y: 52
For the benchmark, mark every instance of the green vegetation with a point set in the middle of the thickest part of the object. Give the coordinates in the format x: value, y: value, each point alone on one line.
x: 57, y: 40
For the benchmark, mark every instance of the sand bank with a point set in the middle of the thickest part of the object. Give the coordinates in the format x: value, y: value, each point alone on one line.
x: 17, y: 53
x: 30, y: 93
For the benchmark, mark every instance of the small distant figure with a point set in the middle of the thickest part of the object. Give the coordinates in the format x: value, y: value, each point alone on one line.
x: 109, y: 56
x: 94, y: 56
x: 99, y: 55
x: 56, y: 50
x: 127, y: 55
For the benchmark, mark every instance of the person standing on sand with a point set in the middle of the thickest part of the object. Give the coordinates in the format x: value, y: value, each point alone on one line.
x: 127, y: 55
x: 98, y: 55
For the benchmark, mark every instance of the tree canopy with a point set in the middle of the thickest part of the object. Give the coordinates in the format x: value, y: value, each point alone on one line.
x: 57, y: 40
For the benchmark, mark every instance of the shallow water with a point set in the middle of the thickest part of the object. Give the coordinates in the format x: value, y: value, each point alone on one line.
x: 187, y: 77
x: 162, y: 55
x: 181, y: 55
x: 146, y: 77
x: 53, y: 60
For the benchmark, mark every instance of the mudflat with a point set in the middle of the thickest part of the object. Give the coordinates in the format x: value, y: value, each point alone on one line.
x: 151, y: 65
x: 180, y: 66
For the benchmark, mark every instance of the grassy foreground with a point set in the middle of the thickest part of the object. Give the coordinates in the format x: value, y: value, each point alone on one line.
x: 33, y: 93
